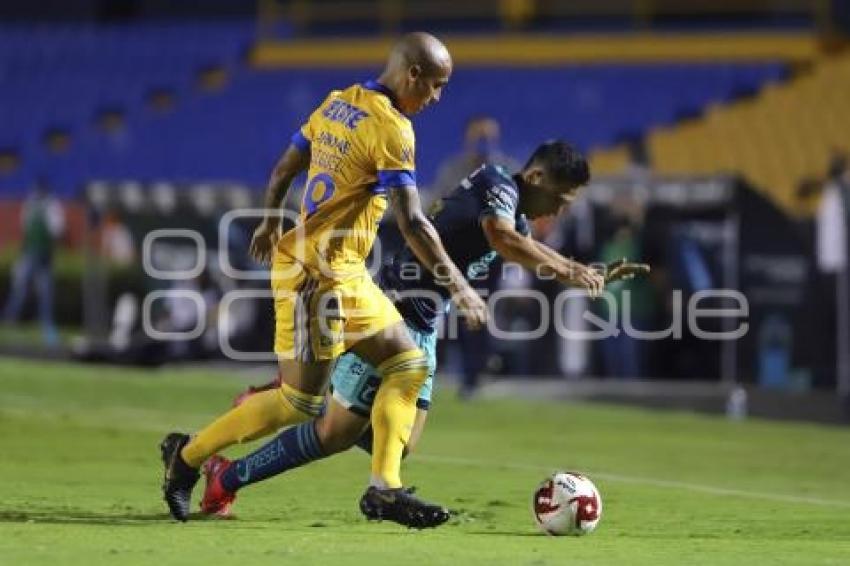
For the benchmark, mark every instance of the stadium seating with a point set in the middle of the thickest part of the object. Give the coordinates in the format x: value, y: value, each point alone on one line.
x: 776, y: 140
x: 253, y: 118
x: 63, y: 77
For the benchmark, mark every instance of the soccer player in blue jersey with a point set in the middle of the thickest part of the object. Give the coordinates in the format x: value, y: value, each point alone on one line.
x: 484, y: 217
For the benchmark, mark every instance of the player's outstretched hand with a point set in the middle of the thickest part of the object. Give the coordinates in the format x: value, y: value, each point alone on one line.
x: 623, y: 270
x: 471, y: 306
x: 588, y: 279
x: 263, y: 242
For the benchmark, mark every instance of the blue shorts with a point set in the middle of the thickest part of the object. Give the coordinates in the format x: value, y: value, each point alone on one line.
x: 355, y: 382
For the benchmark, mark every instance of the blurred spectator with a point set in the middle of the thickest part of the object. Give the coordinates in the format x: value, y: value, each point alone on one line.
x: 575, y: 238
x: 483, y: 134
x: 116, y: 241
x: 515, y: 313
x: 191, y: 308
x: 481, y: 146
x: 42, y: 223
x: 552, y: 231
x: 832, y: 248
x: 624, y: 355
x: 832, y: 218
x: 638, y: 168
x: 182, y: 315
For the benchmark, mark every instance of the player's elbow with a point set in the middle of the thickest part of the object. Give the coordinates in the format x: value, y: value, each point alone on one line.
x: 505, y: 248
x: 284, y: 173
x: 503, y: 238
x: 508, y: 244
x: 291, y: 163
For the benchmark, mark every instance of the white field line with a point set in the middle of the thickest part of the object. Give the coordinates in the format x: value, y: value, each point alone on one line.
x: 637, y: 480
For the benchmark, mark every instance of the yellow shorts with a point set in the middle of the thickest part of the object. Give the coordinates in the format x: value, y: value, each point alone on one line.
x: 318, y: 318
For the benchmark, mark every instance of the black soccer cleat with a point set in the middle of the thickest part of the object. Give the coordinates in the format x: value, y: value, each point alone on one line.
x: 179, y: 477
x: 401, y: 506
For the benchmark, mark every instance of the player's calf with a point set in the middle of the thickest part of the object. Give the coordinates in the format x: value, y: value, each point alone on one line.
x: 394, y: 414
x: 291, y: 448
x: 338, y: 429
x: 364, y: 442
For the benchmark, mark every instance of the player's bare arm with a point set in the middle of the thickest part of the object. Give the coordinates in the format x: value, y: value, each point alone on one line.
x: 291, y: 163
x: 533, y: 255
x: 425, y: 242
x: 620, y: 270
x: 623, y: 270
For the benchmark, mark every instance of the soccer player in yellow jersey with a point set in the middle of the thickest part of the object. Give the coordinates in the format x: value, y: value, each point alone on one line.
x: 358, y: 149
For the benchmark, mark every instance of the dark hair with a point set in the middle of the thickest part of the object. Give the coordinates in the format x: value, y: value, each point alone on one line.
x: 563, y: 162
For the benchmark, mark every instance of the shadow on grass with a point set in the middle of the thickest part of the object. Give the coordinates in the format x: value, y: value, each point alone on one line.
x: 79, y: 517
x: 504, y: 533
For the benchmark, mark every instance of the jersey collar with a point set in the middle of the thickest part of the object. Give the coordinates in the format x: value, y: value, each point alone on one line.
x: 383, y: 89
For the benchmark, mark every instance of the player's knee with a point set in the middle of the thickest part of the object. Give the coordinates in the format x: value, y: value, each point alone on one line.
x: 411, y: 366
x: 307, y: 405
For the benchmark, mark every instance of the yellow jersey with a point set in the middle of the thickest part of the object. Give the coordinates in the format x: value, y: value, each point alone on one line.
x: 360, y: 146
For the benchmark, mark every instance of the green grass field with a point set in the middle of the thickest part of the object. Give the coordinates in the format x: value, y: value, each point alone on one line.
x: 80, y: 476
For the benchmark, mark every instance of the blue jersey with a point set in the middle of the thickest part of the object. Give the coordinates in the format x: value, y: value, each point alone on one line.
x: 488, y: 191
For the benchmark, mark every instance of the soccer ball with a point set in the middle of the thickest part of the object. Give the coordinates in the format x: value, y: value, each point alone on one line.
x: 567, y: 503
